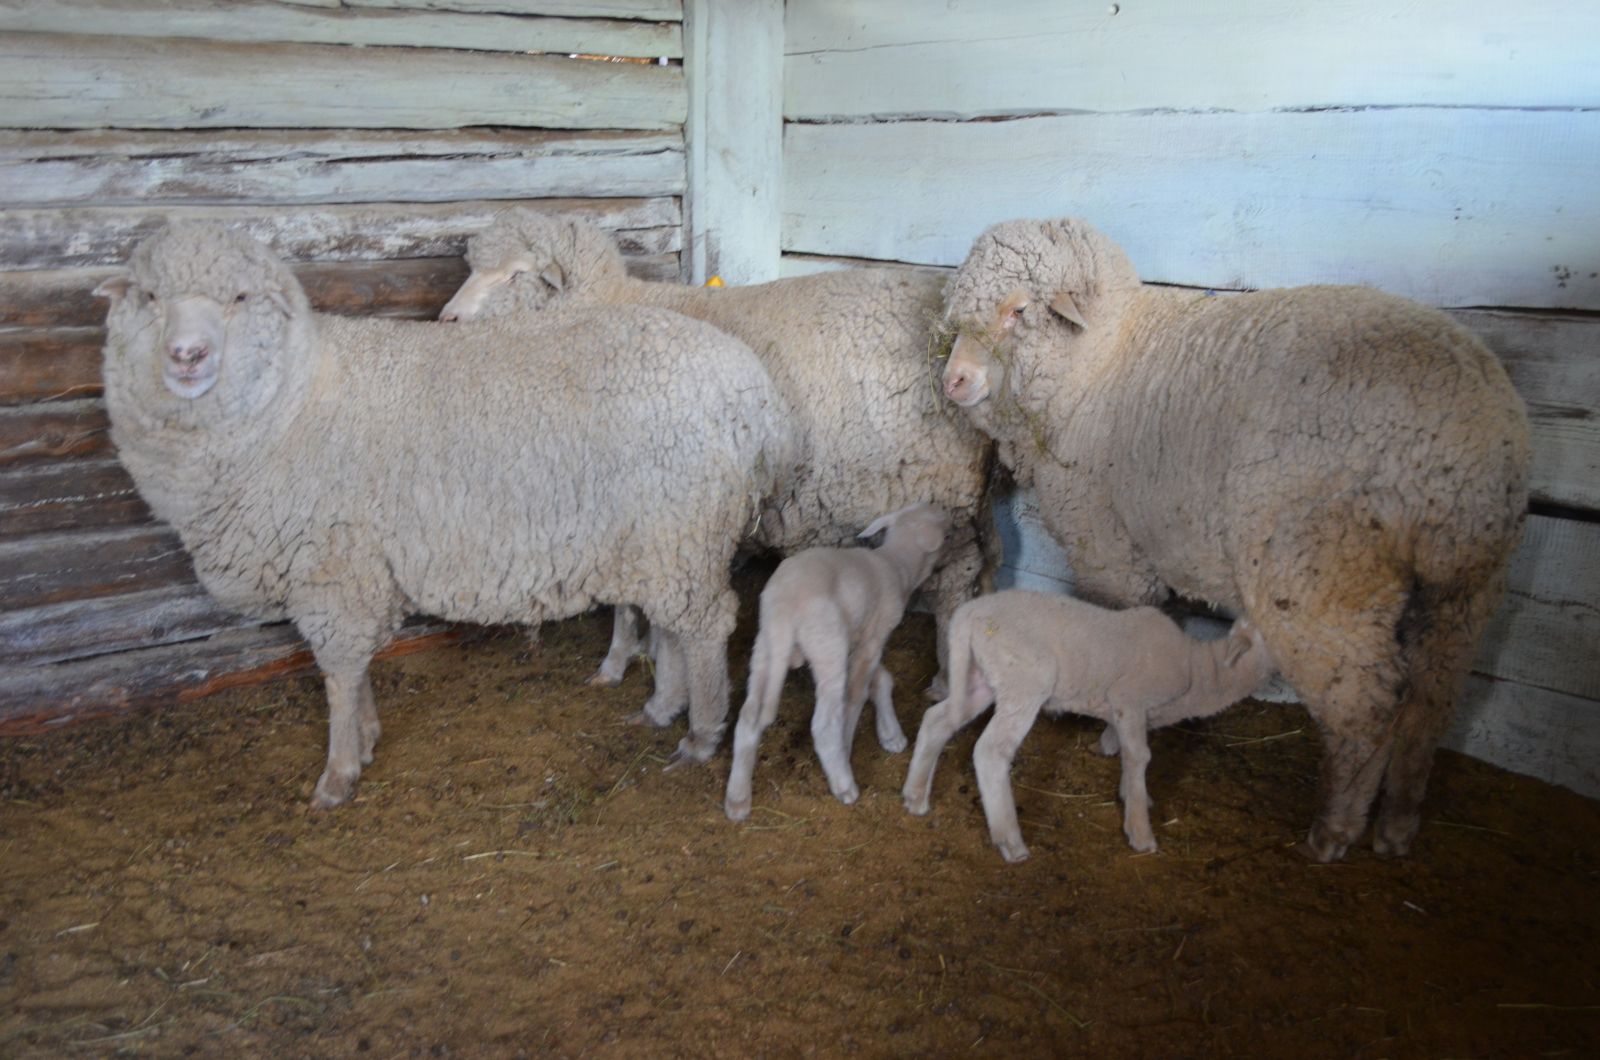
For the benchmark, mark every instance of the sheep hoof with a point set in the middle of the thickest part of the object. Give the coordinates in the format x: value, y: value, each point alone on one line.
x: 736, y: 809
x: 369, y: 741
x: 917, y: 806
x: 1109, y: 744
x: 1143, y: 846
x: 1392, y: 838
x: 693, y: 750
x: 333, y: 789
x: 894, y: 744
x: 1013, y: 851
x: 849, y: 795
x: 1322, y: 847
x: 601, y: 679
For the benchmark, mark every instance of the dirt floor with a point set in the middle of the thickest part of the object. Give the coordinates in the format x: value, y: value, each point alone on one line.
x: 518, y: 876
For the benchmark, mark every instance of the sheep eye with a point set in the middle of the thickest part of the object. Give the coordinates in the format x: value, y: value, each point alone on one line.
x: 242, y: 296
x: 149, y: 296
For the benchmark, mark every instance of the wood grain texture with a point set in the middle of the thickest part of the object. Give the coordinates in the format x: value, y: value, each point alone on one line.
x: 665, y: 10
x: 965, y: 58
x: 297, y: 167
x: 54, y: 633
x: 54, y: 81
x: 1531, y: 731
x: 36, y: 699
x: 35, y: 433
x: 262, y: 21
x: 1450, y: 207
x: 88, y: 236
x: 49, y: 364
x: 86, y: 494
x: 86, y: 565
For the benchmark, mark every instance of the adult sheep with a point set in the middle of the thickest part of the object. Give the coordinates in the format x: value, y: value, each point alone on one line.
x: 322, y: 469
x: 849, y: 350
x: 1346, y: 468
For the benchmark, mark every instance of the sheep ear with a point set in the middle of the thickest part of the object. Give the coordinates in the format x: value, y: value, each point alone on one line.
x: 1063, y: 306
x: 115, y: 288
x: 553, y: 276
x: 281, y: 300
x: 877, y: 526
x: 1238, y: 642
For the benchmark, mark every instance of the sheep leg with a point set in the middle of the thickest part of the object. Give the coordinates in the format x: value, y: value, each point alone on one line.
x: 891, y: 737
x: 1109, y: 742
x: 1135, y: 748
x: 992, y: 757
x: 827, y: 655
x: 939, y: 723
x: 951, y: 585
x: 707, y: 659
x: 625, y: 644
x: 367, y: 719
x: 1437, y: 653
x: 864, y: 666
x: 671, y: 693
x: 768, y: 668
x: 346, y: 686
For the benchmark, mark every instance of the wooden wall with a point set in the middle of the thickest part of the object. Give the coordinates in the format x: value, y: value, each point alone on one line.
x: 1446, y: 152
x: 364, y: 140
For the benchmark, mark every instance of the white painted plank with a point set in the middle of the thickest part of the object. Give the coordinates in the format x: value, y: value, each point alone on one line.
x: 260, y: 21
x: 734, y: 135
x: 55, y: 239
x: 964, y: 58
x: 1554, y: 362
x: 53, y: 81
x: 1450, y: 207
x: 664, y: 10
x: 1532, y: 731
x: 293, y: 167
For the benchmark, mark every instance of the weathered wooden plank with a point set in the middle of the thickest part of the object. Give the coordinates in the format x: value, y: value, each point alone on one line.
x: 68, y: 495
x: 290, y: 167
x: 34, y: 433
x: 1451, y: 207
x: 1544, y: 634
x: 735, y: 139
x: 53, y: 81
x: 49, y: 364
x: 665, y: 10
x: 1554, y: 362
x: 37, y: 699
x: 53, y: 239
x: 85, y: 565
x: 1530, y: 730
x: 965, y: 58
x: 414, y: 288
x: 80, y: 629
x: 259, y: 21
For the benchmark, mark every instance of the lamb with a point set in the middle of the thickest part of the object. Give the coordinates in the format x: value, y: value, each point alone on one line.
x: 322, y: 469
x: 850, y: 352
x: 1135, y: 669
x: 835, y: 608
x: 1346, y: 468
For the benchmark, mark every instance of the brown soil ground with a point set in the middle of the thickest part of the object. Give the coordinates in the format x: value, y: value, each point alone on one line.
x: 518, y: 876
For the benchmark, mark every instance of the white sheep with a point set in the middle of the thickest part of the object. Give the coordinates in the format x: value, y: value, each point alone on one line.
x: 325, y: 470
x: 1346, y: 468
x: 834, y: 608
x: 1135, y: 669
x: 850, y: 350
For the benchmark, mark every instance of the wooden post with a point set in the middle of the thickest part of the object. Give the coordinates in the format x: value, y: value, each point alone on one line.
x: 733, y: 65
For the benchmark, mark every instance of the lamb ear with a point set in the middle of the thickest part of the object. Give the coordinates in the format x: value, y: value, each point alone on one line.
x: 1238, y: 642
x: 1063, y: 306
x: 553, y: 276
x: 877, y: 525
x: 281, y: 300
x: 114, y: 288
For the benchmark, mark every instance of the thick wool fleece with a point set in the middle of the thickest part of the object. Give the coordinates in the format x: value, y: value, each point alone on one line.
x: 1346, y: 467
x: 338, y: 476
x: 850, y: 351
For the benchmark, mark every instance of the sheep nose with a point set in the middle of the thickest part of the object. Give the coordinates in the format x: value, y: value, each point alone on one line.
x: 191, y: 353
x: 450, y: 316
x: 956, y: 381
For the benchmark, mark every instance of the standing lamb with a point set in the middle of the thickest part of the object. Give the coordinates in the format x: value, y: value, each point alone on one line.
x: 322, y: 469
x: 1347, y: 468
x: 835, y: 608
x: 850, y: 350
x: 1023, y: 651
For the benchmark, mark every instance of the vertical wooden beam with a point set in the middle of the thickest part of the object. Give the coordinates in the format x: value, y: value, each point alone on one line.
x: 733, y: 66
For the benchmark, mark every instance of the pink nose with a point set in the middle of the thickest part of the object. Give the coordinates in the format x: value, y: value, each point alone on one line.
x: 450, y: 316
x: 190, y: 354
x: 955, y: 382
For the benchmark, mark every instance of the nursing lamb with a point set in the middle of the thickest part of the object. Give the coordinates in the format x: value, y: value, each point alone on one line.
x: 323, y: 469
x: 1135, y: 669
x: 1346, y: 468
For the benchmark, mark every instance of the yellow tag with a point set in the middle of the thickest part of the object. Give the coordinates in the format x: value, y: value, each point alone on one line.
x: 715, y: 281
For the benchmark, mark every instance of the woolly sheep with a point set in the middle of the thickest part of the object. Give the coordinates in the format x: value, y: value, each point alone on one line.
x: 322, y: 469
x: 834, y: 608
x: 850, y: 350
x: 1135, y: 669
x: 1347, y: 468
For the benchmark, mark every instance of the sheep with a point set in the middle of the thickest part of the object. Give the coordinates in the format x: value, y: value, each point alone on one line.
x: 1346, y: 468
x: 1134, y: 669
x: 849, y: 349
x: 322, y: 469
x: 834, y: 608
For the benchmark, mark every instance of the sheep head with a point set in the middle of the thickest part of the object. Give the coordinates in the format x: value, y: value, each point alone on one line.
x: 1026, y: 292
x: 917, y: 533
x: 202, y: 324
x: 528, y: 259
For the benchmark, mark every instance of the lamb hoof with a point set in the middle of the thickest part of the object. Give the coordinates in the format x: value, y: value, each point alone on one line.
x: 736, y: 809
x: 601, y: 679
x: 1109, y: 744
x: 849, y: 795
x: 1143, y: 846
x: 1322, y: 847
x: 1013, y: 852
x: 369, y: 741
x: 694, y: 749
x: 894, y: 744
x: 1393, y: 838
x: 333, y: 789
x: 917, y: 807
